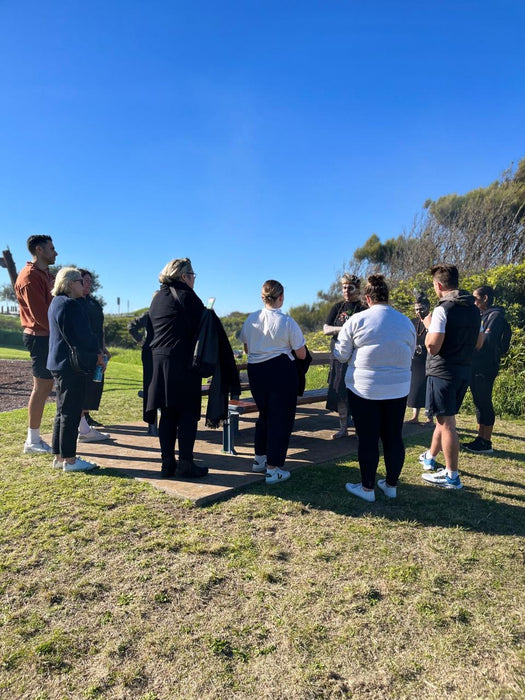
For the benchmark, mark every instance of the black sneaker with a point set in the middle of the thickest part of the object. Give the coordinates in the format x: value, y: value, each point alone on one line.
x: 92, y: 422
x: 479, y: 446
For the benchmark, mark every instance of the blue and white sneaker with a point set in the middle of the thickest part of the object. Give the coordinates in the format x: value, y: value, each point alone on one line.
x: 429, y: 465
x: 443, y: 480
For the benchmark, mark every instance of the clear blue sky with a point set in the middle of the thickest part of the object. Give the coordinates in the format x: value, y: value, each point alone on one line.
x: 262, y: 139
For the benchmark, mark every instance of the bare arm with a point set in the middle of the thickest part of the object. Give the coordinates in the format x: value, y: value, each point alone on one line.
x: 331, y: 330
x: 433, y: 342
x: 301, y: 353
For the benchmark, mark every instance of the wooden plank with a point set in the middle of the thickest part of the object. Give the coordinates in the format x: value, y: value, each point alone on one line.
x: 249, y: 405
x: 318, y: 358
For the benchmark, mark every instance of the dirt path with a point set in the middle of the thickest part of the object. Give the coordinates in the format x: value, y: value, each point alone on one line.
x: 16, y: 383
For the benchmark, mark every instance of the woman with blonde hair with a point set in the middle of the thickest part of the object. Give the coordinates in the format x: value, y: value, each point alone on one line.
x: 271, y: 338
x: 175, y: 314
x: 69, y: 333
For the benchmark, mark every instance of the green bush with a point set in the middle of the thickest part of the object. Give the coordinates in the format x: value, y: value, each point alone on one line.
x: 10, y: 331
x: 116, y: 330
x: 11, y: 338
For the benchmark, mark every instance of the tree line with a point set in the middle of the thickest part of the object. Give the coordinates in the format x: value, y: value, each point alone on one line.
x: 481, y: 232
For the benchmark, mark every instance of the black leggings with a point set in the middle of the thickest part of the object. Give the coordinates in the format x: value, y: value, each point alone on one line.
x: 173, y: 423
x: 481, y: 388
x: 374, y: 421
x: 274, y: 389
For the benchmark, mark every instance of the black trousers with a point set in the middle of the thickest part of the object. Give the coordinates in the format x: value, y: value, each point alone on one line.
x: 481, y: 386
x: 274, y: 389
x: 70, y: 389
x: 176, y: 423
x: 374, y: 421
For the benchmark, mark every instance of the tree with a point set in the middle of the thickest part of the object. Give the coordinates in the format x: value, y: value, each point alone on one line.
x: 232, y: 325
x: 310, y: 317
x: 7, y: 292
x: 483, y: 228
x: 53, y: 269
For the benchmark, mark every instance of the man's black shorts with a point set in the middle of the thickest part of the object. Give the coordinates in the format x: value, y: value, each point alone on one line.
x: 38, y: 346
x: 445, y: 396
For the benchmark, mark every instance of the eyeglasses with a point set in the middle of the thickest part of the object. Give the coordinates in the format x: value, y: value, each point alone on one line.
x: 190, y: 273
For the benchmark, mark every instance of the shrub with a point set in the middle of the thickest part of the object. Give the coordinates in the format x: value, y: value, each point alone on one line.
x: 116, y: 331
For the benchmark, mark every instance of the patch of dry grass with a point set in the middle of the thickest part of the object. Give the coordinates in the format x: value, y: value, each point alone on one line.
x: 110, y: 589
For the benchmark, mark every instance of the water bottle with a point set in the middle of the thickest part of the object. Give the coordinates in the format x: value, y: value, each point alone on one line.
x: 99, y: 371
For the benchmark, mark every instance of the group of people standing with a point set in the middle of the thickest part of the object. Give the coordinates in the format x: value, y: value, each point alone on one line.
x: 384, y: 362
x: 178, y: 323
x: 63, y: 330
x: 378, y: 356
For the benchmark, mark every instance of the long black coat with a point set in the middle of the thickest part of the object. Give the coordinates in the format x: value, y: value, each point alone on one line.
x: 175, y: 325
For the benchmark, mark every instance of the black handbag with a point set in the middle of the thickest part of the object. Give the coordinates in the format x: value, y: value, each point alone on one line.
x: 75, y: 360
x: 81, y: 361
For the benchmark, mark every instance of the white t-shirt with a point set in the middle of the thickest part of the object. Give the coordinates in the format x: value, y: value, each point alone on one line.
x: 378, y: 345
x: 438, y: 320
x: 269, y: 333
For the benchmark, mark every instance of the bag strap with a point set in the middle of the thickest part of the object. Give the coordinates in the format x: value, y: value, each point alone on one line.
x: 64, y: 336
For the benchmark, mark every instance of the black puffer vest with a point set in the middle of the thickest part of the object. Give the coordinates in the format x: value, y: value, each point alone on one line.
x: 461, y: 334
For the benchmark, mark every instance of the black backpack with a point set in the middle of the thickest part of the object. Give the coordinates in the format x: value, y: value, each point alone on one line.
x: 505, y: 338
x: 503, y: 342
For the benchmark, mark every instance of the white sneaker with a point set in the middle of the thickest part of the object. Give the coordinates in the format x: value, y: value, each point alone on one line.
x: 58, y: 462
x: 79, y: 465
x: 258, y: 466
x: 93, y: 436
x: 357, y: 490
x: 278, y: 474
x: 389, y: 491
x: 36, y: 448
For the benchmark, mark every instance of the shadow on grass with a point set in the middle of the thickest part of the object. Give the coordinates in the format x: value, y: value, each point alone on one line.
x: 503, y: 454
x: 486, y: 504
x: 472, y: 509
x: 501, y: 482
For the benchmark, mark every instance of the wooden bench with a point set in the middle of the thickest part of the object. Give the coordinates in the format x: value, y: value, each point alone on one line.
x: 238, y: 407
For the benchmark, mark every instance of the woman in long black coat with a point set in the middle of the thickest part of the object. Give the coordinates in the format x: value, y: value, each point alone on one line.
x: 418, y: 382
x: 175, y: 314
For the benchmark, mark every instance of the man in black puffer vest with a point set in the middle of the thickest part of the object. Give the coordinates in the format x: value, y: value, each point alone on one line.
x: 453, y: 335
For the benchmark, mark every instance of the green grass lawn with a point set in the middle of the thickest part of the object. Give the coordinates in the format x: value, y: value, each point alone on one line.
x: 111, y: 589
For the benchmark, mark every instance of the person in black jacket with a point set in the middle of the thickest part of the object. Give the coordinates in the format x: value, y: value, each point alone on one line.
x: 485, y: 368
x: 175, y: 315
x: 88, y: 426
x: 141, y: 331
x: 337, y: 399
x: 418, y: 382
x: 69, y: 329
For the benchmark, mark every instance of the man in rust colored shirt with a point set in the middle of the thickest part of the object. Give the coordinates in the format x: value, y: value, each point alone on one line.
x: 33, y: 291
